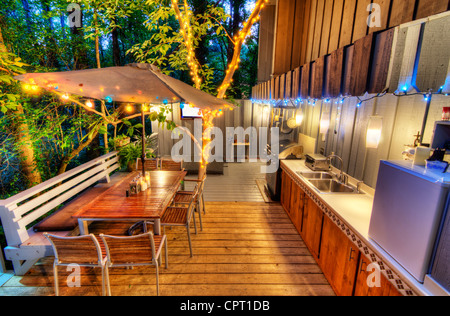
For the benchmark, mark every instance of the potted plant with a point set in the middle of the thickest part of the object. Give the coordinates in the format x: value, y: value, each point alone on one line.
x: 120, y: 141
x: 129, y: 155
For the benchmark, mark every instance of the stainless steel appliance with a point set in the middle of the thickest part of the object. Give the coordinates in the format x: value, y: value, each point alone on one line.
x: 287, y: 150
x: 407, y: 214
x: 317, y: 162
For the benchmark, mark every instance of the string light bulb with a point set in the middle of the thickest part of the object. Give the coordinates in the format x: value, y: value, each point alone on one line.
x: 89, y: 104
x: 129, y: 108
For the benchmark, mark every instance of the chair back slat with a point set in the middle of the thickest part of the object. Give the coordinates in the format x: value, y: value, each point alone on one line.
x: 129, y: 250
x: 170, y: 165
x: 150, y: 164
x: 84, y: 250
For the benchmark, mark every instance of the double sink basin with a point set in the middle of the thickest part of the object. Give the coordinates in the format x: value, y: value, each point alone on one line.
x: 326, y: 183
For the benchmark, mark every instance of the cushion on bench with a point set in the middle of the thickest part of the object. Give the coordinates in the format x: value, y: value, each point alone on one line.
x: 62, y: 219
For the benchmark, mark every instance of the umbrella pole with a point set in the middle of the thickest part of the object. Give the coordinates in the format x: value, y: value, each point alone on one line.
x: 143, y: 141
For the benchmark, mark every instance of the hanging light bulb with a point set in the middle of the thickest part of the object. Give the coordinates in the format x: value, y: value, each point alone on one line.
x: 129, y: 108
x: 89, y: 104
x: 65, y: 97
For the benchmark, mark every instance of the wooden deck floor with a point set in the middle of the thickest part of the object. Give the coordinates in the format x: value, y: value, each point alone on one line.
x: 245, y: 249
x: 237, y: 184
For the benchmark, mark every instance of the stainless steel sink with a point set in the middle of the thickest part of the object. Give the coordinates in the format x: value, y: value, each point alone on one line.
x: 333, y: 186
x: 316, y: 175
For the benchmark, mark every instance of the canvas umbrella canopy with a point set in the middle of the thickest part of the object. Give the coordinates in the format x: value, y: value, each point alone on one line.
x: 134, y: 83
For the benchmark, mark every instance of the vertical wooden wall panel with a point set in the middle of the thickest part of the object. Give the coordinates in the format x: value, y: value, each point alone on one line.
x: 318, y: 29
x: 305, y: 35
x: 380, y: 63
x: 348, y: 18
x: 402, y: 11
x: 272, y: 89
x: 360, y: 27
x: 277, y: 88
x: 346, y: 75
x: 296, y: 82
x: 309, y: 29
x: 298, y: 43
x: 288, y: 85
x: 312, y: 24
x: 384, y: 15
x: 283, y: 45
x: 434, y: 56
x: 305, y: 81
x: 281, y: 95
x: 266, y: 42
x: 430, y: 7
x: 326, y: 27
x: 334, y: 73
x: 336, y: 21
x: 403, y: 57
x: 361, y: 65
x: 317, y: 74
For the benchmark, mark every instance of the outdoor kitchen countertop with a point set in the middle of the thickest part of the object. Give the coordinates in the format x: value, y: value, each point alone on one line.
x: 355, y: 211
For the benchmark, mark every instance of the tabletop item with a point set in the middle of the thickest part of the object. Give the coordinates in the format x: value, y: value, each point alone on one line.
x: 149, y: 205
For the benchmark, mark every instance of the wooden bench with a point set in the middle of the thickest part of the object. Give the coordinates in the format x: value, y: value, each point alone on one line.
x: 26, y: 243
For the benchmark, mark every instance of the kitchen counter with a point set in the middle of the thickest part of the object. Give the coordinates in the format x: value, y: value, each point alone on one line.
x: 355, y: 211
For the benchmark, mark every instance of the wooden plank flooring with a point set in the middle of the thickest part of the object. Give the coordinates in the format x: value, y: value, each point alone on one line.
x: 245, y: 249
x: 238, y: 183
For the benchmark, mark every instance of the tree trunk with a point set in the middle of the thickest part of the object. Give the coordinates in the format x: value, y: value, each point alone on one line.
x: 80, y: 57
x: 25, y: 145
x: 76, y: 152
x: 51, y: 46
x: 25, y: 149
x: 97, y: 47
x: 116, y: 47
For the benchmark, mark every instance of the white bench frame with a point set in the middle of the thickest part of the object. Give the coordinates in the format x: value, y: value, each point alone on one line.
x: 18, y: 211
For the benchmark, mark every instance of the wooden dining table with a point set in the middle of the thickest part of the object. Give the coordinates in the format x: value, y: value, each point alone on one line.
x: 149, y: 205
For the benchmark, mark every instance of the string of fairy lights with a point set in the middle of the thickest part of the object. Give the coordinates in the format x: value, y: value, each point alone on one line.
x: 427, y: 96
x: 186, y: 31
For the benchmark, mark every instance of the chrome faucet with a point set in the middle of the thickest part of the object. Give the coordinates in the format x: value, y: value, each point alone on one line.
x: 342, y: 177
x: 359, y: 185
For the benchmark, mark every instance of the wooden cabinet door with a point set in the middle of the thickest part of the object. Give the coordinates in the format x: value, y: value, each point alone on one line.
x: 286, y: 191
x: 367, y: 283
x: 312, y: 226
x: 296, y: 206
x: 339, y: 259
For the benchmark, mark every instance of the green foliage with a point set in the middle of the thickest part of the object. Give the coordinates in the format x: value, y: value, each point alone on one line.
x: 166, y: 46
x: 129, y: 153
x: 147, y: 30
x: 10, y: 65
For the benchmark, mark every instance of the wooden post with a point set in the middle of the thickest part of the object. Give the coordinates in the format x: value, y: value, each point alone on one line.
x: 2, y: 262
x: 143, y: 141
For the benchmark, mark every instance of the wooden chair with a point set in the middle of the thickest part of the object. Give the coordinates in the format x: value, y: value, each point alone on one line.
x: 168, y: 164
x: 141, y: 250
x: 184, y: 197
x: 81, y: 251
x: 181, y: 216
x: 150, y: 164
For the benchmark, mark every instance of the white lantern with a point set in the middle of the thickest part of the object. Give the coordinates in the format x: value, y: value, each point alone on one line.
x: 374, y: 130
